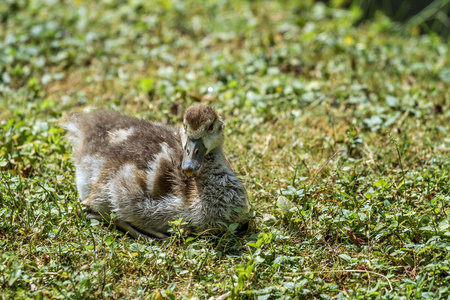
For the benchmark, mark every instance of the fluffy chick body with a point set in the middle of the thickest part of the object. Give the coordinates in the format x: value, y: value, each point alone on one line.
x: 133, y: 169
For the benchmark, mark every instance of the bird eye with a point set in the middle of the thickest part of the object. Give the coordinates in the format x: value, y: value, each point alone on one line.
x: 211, y: 127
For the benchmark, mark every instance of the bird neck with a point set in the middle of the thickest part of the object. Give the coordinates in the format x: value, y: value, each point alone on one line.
x: 216, y: 174
x: 219, y: 190
x: 214, y: 161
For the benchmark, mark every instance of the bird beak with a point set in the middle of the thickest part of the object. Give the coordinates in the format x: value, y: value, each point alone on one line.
x: 193, y: 156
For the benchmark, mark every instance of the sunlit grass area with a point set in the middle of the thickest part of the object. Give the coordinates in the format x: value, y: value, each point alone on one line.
x: 339, y: 133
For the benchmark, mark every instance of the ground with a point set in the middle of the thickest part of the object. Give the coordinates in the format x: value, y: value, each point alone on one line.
x: 339, y: 132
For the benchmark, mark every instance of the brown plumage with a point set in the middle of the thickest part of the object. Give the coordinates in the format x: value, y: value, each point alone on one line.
x: 197, y: 115
x: 149, y: 174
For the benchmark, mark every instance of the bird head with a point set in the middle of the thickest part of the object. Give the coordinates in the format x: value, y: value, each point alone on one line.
x: 202, y: 131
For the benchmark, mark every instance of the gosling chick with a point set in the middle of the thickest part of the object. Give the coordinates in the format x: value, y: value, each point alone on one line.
x: 147, y: 174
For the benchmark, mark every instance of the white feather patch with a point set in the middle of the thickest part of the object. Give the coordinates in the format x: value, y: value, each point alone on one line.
x: 87, y: 172
x: 118, y: 184
x: 119, y: 135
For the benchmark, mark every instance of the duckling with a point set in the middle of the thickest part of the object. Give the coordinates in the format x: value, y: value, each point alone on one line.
x: 142, y: 175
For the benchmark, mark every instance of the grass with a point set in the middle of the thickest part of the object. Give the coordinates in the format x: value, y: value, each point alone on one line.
x: 339, y: 133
